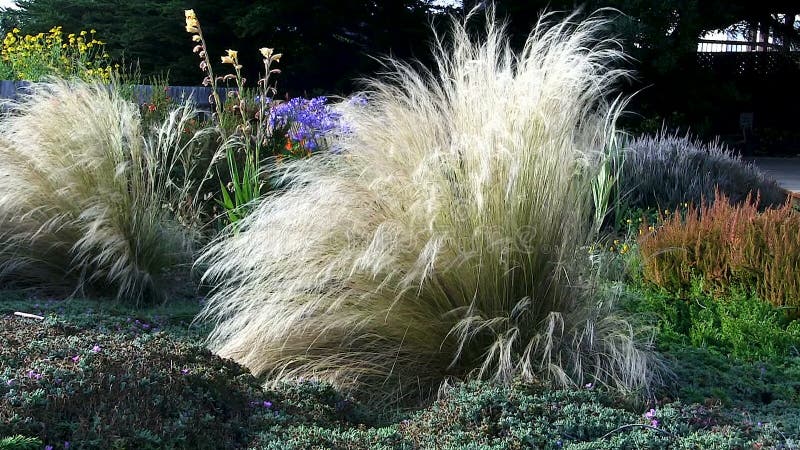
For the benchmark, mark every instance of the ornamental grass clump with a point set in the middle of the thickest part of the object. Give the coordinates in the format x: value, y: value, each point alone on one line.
x: 665, y: 171
x: 88, y: 198
x: 444, y: 241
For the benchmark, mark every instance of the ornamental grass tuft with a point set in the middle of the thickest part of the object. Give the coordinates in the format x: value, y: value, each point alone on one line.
x: 445, y: 239
x: 88, y: 199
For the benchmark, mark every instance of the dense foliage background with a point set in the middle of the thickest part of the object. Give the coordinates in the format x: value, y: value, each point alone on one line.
x: 330, y: 44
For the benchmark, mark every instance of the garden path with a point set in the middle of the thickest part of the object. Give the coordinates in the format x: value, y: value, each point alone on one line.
x: 785, y: 170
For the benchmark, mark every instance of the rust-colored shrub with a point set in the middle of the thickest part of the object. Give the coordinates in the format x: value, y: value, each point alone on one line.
x: 728, y: 244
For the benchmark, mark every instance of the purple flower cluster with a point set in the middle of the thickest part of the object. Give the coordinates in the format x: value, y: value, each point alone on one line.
x: 266, y: 404
x: 308, y: 121
x: 651, y: 416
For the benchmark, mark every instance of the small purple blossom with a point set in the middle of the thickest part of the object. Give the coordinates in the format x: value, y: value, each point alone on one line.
x: 96, y: 349
x: 34, y: 374
x: 11, y: 382
x: 75, y: 358
x: 650, y: 414
x: 589, y: 385
x: 185, y: 371
x: 267, y: 404
x: 66, y: 444
x: 48, y: 447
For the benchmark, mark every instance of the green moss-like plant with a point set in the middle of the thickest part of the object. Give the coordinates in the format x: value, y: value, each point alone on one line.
x: 99, y: 390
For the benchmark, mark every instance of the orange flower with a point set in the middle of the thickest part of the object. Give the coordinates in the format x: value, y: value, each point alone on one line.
x: 288, y: 144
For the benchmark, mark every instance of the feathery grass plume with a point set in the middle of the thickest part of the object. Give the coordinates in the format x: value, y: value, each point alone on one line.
x: 445, y: 241
x: 85, y: 196
x: 667, y: 170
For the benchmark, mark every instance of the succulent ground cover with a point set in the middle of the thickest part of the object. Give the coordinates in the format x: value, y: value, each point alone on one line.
x: 100, y: 375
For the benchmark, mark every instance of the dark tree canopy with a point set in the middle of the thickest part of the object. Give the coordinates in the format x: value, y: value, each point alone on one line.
x: 326, y: 43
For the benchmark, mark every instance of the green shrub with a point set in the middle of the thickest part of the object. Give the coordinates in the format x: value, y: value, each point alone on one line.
x: 19, y: 442
x: 89, y: 199
x: 737, y: 323
x: 446, y: 239
x: 665, y: 171
x: 35, y: 57
x: 706, y: 376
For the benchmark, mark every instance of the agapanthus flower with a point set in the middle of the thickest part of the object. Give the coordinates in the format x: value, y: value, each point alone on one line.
x: 308, y: 121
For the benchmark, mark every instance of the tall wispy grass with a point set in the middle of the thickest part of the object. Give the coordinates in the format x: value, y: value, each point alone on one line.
x: 87, y: 198
x: 446, y: 240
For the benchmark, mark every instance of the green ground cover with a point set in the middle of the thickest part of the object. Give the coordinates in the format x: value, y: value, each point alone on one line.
x: 101, y: 375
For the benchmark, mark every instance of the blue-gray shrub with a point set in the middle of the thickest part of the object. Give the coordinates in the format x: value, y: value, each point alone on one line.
x: 666, y: 170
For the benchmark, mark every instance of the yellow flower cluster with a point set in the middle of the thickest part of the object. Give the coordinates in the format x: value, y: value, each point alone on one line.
x: 31, y: 57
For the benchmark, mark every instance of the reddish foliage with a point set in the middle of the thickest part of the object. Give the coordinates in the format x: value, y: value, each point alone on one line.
x: 728, y: 244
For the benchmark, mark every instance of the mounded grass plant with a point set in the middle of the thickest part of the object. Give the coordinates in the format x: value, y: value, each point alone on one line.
x: 89, y: 199
x: 667, y: 170
x: 446, y: 240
